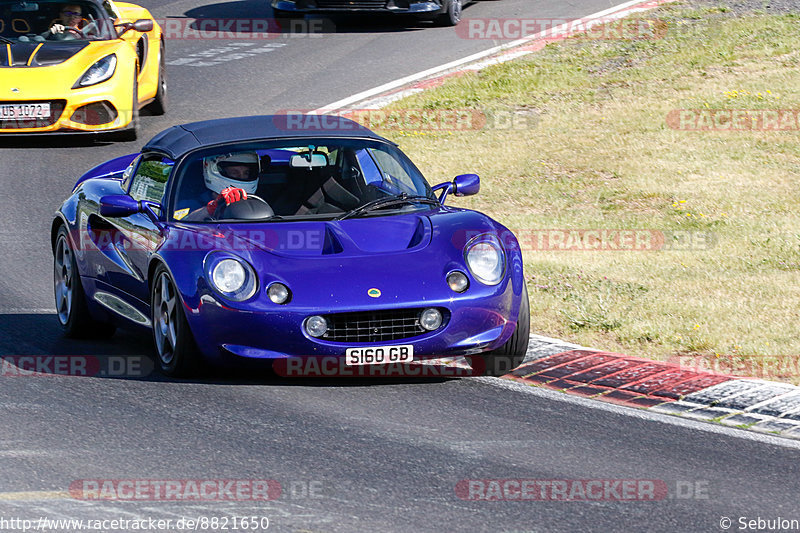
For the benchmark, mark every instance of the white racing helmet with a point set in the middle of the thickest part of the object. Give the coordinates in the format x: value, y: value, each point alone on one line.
x: 232, y: 170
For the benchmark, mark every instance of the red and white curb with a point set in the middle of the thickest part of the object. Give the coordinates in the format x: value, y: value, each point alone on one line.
x: 383, y: 95
x: 757, y: 405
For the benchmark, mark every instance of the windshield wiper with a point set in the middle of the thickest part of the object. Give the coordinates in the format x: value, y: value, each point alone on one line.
x: 6, y: 40
x: 398, y: 199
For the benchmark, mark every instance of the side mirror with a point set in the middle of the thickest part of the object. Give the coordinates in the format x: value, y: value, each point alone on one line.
x: 466, y: 185
x: 118, y: 205
x: 141, y: 25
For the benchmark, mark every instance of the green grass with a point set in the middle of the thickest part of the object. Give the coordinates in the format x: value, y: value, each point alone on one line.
x: 599, y: 154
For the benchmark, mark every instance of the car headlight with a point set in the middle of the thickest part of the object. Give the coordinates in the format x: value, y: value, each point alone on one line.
x: 316, y: 326
x: 278, y: 293
x: 430, y: 319
x: 232, y: 277
x: 485, y: 259
x: 99, y: 72
x: 457, y: 281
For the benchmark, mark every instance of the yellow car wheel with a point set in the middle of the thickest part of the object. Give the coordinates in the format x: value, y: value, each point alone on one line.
x: 159, y: 104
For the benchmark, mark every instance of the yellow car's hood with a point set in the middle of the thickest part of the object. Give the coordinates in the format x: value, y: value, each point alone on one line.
x: 26, y: 55
x: 44, y: 70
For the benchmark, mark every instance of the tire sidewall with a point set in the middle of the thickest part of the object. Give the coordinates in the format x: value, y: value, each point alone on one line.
x: 183, y: 356
x: 159, y: 105
x: 454, y: 11
x: 77, y: 291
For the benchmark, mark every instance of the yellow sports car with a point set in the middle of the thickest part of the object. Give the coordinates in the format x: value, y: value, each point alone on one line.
x: 79, y: 66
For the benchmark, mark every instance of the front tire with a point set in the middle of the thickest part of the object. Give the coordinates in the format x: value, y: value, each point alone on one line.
x: 451, y: 15
x: 176, y: 349
x: 72, y: 310
x: 159, y: 105
x: 503, y: 360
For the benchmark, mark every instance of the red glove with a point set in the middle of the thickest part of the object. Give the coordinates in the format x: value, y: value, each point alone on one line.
x: 229, y: 195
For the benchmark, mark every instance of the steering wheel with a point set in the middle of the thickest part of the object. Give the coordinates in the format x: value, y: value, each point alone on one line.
x: 74, y: 31
x: 245, y: 209
x: 257, y: 198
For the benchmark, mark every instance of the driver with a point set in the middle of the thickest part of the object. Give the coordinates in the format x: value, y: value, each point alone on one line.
x: 229, y: 178
x: 70, y: 17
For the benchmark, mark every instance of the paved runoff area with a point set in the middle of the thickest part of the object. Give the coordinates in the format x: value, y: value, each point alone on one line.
x: 753, y: 404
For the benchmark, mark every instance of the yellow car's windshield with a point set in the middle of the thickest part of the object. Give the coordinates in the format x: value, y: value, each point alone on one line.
x: 44, y: 21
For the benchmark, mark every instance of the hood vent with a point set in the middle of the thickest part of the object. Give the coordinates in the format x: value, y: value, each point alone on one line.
x: 39, y: 54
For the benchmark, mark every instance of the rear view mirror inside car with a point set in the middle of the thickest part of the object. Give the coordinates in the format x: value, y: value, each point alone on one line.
x: 308, y: 160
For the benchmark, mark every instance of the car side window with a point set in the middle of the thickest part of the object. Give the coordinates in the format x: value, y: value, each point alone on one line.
x: 150, y: 180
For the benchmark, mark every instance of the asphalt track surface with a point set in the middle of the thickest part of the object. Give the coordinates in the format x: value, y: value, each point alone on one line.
x: 354, y: 455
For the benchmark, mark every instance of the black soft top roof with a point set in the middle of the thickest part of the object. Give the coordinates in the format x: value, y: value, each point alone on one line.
x: 179, y: 140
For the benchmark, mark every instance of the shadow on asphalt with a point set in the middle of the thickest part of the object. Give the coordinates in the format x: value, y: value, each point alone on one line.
x: 322, y: 23
x: 34, y: 343
x: 65, y: 139
x: 56, y: 140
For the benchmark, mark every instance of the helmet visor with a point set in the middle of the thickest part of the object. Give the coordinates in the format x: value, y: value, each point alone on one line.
x: 238, y: 171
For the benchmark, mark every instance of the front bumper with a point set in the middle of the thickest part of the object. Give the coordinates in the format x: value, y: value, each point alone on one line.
x: 358, y: 6
x: 225, y: 335
x: 89, y: 110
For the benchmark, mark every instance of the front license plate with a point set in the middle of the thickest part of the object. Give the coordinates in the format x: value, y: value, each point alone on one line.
x: 379, y: 355
x: 11, y: 111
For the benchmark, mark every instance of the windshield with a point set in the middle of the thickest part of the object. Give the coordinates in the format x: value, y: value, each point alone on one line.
x: 308, y: 178
x: 53, y: 21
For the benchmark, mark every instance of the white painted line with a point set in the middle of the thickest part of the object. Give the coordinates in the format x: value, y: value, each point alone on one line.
x: 34, y: 495
x: 383, y: 101
x: 676, y: 408
x: 613, y: 13
x: 558, y: 341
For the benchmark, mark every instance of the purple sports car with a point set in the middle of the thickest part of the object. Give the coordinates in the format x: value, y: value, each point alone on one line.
x: 249, y: 238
